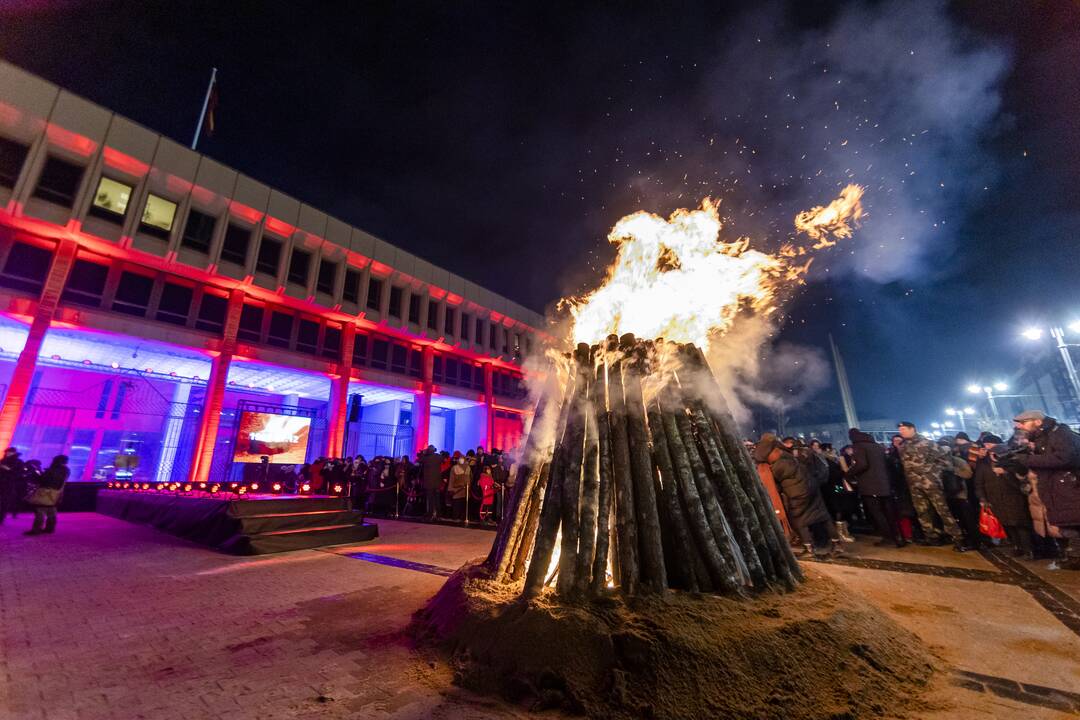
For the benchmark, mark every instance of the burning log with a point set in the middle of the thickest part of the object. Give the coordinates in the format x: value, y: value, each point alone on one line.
x: 625, y: 519
x: 605, y: 494
x: 645, y: 481
x: 654, y: 573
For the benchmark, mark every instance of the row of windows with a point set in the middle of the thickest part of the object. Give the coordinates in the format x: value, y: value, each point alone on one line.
x: 27, y: 267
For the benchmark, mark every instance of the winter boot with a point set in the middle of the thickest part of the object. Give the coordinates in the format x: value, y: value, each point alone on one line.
x: 842, y: 531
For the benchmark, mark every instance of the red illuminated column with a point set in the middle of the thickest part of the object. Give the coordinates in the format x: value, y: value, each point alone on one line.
x: 215, y: 393
x: 489, y: 406
x: 23, y: 374
x: 339, y: 396
x: 422, y: 404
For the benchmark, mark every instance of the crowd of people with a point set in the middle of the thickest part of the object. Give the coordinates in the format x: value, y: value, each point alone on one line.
x: 1023, y: 492
x: 437, y: 485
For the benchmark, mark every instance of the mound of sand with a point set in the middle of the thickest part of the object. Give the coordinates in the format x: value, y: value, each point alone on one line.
x: 815, y: 653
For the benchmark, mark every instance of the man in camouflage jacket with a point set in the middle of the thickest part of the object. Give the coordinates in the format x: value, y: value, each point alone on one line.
x: 924, y: 462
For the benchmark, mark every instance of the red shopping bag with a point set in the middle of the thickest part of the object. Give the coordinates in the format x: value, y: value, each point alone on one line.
x: 989, y: 525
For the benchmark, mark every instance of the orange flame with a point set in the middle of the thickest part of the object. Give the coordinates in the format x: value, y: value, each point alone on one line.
x: 678, y: 280
x: 833, y: 219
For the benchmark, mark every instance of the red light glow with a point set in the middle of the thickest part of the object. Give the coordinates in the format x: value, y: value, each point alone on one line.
x: 76, y: 143
x: 125, y: 163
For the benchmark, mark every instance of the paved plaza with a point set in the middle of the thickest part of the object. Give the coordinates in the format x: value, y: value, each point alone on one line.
x: 107, y: 620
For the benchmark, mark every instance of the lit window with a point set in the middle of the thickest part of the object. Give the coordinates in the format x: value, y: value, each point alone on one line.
x: 158, y: 216
x: 111, y: 199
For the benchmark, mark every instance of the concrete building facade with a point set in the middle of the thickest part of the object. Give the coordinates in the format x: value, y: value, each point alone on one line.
x: 149, y: 294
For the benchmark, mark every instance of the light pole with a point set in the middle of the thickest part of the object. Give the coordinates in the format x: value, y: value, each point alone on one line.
x: 960, y: 414
x: 976, y: 388
x: 1058, y: 334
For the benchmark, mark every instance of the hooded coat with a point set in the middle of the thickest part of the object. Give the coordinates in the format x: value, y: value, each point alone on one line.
x: 868, y: 466
x: 805, y: 506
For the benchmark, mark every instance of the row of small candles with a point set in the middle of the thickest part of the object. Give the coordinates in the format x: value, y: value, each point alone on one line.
x: 209, y: 488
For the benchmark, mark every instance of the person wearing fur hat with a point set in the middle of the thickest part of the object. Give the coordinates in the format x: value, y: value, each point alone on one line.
x: 804, y: 505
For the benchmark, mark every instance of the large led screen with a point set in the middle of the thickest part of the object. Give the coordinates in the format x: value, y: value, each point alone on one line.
x: 282, y: 438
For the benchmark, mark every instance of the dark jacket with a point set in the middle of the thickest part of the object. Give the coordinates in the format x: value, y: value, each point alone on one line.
x: 804, y: 503
x: 54, y: 477
x: 11, y: 469
x: 868, y: 467
x: 1056, y: 462
x: 431, y: 470
x: 1002, y: 493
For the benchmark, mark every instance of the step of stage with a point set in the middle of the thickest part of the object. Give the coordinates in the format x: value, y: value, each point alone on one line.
x: 270, y: 522
x: 278, y: 504
x: 303, y: 538
x: 252, y: 525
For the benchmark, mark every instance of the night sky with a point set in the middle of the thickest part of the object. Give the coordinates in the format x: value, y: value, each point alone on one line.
x: 502, y: 141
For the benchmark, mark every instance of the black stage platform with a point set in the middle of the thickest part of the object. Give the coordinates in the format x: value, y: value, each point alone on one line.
x: 254, y: 525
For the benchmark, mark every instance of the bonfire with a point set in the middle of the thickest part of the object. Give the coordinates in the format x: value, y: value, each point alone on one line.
x: 639, y: 550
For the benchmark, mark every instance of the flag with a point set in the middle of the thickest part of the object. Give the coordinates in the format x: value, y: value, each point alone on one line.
x: 211, y: 106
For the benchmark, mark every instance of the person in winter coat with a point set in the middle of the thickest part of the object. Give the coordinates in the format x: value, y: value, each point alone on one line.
x: 11, y: 474
x: 909, y: 525
x: 460, y: 479
x: 959, y: 485
x: 487, y: 493
x: 805, y: 507
x: 431, y: 474
x: 1000, y: 491
x: 870, y: 472
x: 1054, y: 473
x: 53, y: 479
x: 924, y: 462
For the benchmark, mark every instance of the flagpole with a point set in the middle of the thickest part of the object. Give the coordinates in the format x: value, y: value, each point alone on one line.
x: 205, y: 103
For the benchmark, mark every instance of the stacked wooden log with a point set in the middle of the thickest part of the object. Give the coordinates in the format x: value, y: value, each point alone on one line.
x: 635, y: 475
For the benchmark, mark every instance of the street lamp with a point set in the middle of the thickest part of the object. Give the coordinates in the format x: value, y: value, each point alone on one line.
x: 975, y: 389
x: 960, y: 414
x: 1058, y: 334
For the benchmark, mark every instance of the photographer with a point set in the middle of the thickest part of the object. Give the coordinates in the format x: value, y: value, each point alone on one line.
x: 1053, y: 467
x: 999, y: 486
